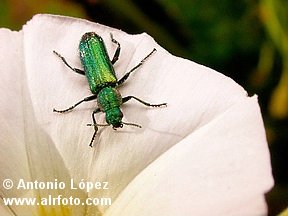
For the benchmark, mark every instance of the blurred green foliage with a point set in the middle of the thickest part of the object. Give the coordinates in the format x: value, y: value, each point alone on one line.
x: 244, y: 39
x: 275, y: 19
x: 15, y: 13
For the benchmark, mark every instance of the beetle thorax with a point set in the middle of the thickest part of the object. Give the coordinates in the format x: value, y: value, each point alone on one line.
x: 109, y: 98
x: 109, y: 101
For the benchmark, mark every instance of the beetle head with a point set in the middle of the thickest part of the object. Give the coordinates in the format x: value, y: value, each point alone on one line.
x: 114, y: 117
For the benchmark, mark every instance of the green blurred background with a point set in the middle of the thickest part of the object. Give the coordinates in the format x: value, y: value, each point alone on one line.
x: 244, y: 39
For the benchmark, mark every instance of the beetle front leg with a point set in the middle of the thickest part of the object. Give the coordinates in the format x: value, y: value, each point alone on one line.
x: 92, y: 97
x: 125, y: 99
x: 95, y: 126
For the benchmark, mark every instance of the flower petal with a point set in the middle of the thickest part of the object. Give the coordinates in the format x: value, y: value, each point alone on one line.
x: 50, y: 87
x: 12, y: 134
x: 26, y: 152
x: 196, y: 97
x: 223, y: 165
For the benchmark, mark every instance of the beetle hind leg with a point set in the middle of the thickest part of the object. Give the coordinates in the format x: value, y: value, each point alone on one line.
x: 125, y: 77
x: 76, y: 70
x: 117, y: 52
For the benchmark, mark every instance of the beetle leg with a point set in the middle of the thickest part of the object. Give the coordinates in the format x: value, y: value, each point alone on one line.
x: 65, y: 62
x: 125, y: 99
x: 91, y: 97
x: 124, y: 78
x: 95, y: 126
x: 117, y: 52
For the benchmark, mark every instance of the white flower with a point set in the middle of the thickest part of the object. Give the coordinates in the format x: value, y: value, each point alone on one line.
x: 204, y: 154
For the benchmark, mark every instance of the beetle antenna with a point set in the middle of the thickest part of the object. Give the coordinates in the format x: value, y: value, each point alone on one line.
x: 131, y: 124
x: 100, y: 125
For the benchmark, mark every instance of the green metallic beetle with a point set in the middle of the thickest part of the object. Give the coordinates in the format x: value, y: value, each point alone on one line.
x: 102, y: 81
